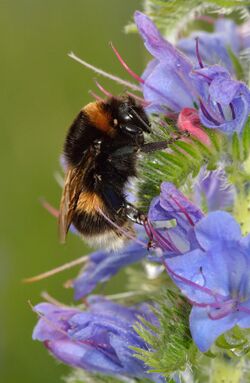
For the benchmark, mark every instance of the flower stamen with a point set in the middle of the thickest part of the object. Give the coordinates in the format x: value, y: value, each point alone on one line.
x: 103, y: 90
x: 126, y: 67
x: 232, y: 110
x: 183, y: 210
x: 51, y: 209
x: 57, y: 270
x: 95, y: 96
x: 105, y: 74
x: 207, y: 114
x: 140, y: 99
x: 198, y: 53
x: 220, y: 110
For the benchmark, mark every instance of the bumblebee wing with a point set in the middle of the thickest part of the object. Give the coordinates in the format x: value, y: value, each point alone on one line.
x: 69, y: 200
x: 73, y: 187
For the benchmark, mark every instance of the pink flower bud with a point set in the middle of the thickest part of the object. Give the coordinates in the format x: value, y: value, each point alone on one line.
x: 189, y: 120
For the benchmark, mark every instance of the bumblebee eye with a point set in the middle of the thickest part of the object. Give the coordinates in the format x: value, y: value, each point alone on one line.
x: 128, y: 117
x: 131, y: 129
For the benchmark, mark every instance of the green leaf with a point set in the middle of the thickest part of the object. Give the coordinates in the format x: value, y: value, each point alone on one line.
x: 189, y: 149
x: 172, y: 16
x: 182, y: 160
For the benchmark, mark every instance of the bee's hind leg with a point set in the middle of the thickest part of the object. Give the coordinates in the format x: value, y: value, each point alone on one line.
x: 134, y: 214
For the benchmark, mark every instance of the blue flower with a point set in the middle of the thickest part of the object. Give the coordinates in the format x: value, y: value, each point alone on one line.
x: 224, y: 102
x: 103, y: 265
x: 171, y: 82
x: 215, y: 278
x: 98, y: 340
x: 212, y: 189
x: 171, y: 220
x: 166, y: 79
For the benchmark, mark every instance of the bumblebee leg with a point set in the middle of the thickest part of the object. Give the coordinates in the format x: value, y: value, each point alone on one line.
x: 134, y: 214
x: 160, y: 145
x: 96, y: 146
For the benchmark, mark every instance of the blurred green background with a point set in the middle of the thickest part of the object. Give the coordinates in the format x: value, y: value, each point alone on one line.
x: 41, y: 92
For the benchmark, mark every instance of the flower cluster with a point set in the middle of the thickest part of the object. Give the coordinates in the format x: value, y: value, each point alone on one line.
x: 173, y: 82
x: 208, y: 259
x: 98, y: 339
x: 191, y: 238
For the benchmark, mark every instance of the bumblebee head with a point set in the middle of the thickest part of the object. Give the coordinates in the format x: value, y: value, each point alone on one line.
x: 131, y: 118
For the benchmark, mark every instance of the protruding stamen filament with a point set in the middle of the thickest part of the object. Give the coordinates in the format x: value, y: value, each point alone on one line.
x: 57, y: 270
x: 183, y: 210
x: 140, y: 99
x: 95, y: 96
x: 105, y: 74
x: 103, y: 90
x: 47, y: 297
x: 202, y: 75
x: 162, y: 241
x: 129, y: 70
x: 140, y: 80
x: 208, y: 115
x: 232, y: 110
x: 198, y: 53
x: 221, y: 110
x: 52, y: 210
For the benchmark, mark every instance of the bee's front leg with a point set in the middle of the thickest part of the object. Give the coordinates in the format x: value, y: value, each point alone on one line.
x: 134, y: 214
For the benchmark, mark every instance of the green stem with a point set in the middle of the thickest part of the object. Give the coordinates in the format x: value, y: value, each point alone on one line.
x: 226, y: 371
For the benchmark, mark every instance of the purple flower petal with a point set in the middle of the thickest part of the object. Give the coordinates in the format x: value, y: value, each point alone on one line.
x: 227, y: 30
x: 215, y: 227
x: 173, y: 205
x: 213, y: 189
x: 178, y: 207
x: 164, y: 87
x: 55, y: 315
x: 223, y: 89
x: 187, y: 271
x: 205, y: 331
x: 241, y: 110
x: 160, y: 48
x: 215, y: 280
x: 98, y: 339
x: 244, y: 321
x: 166, y: 78
x: 102, y: 266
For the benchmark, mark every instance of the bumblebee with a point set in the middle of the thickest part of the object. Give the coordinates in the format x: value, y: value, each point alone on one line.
x: 101, y: 151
